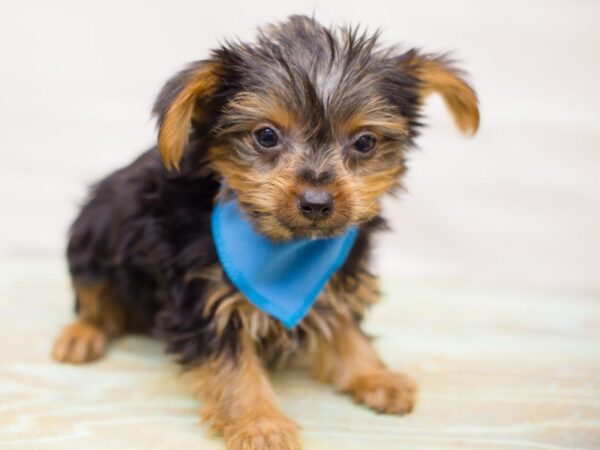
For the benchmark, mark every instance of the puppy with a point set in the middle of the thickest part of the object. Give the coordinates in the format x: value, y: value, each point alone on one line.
x: 300, y: 134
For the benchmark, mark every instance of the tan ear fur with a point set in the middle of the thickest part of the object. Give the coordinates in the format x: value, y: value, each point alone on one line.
x: 437, y: 75
x: 175, y: 125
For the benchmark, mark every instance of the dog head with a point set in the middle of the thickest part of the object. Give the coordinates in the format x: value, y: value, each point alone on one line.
x: 307, y: 126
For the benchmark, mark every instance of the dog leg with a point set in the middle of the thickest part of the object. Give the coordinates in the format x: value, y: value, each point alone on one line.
x: 350, y: 363
x: 241, y: 404
x: 98, y: 319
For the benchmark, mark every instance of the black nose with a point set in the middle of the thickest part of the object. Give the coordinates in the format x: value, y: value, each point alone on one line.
x: 316, y: 204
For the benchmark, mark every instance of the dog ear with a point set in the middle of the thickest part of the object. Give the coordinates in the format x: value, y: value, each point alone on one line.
x: 436, y: 74
x: 184, y: 99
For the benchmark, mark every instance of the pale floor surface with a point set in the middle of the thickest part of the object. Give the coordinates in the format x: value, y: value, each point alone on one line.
x: 496, y: 369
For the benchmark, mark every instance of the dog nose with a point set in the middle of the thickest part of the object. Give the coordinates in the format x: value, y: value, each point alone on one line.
x: 316, y: 204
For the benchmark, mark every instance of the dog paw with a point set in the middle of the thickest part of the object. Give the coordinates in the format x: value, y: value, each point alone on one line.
x: 385, y: 392
x: 78, y: 343
x: 272, y: 432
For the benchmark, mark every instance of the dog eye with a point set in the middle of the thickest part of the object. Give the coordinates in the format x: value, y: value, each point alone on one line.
x: 266, y: 137
x: 365, y: 143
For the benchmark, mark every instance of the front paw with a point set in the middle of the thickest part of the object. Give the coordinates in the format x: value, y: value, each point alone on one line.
x: 385, y: 392
x: 79, y: 342
x: 263, y: 432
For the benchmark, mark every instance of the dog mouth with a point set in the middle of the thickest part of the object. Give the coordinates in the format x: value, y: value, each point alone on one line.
x: 297, y: 226
x: 315, y: 230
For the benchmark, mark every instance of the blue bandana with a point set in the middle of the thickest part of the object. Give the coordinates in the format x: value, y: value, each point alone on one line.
x: 283, y: 279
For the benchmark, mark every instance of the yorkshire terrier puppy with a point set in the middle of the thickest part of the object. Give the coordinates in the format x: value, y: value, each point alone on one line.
x: 278, y: 150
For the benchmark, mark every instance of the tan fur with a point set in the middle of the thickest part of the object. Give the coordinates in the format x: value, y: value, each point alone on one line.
x: 372, y: 186
x: 377, y: 116
x: 240, y: 403
x: 439, y: 77
x: 351, y: 364
x: 99, y: 319
x: 249, y: 109
x: 79, y: 342
x: 174, y: 130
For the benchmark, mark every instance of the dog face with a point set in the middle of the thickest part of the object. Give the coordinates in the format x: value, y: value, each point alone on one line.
x: 307, y: 127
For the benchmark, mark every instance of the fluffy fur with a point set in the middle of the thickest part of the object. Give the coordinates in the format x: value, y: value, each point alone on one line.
x: 141, y: 253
